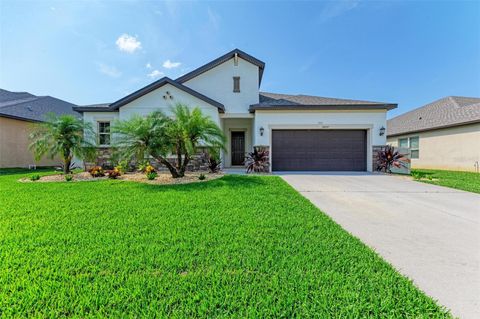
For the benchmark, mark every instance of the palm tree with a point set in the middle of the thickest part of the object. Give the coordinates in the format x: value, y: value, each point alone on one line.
x: 145, y: 136
x: 159, y: 136
x: 189, y: 130
x: 65, y: 136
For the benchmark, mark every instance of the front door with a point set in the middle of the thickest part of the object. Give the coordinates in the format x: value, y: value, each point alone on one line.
x: 238, y: 148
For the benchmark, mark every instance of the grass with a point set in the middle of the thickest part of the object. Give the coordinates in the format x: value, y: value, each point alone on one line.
x: 467, y: 181
x: 236, y: 247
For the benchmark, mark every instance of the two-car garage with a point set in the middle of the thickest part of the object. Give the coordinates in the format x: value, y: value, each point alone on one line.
x: 319, y: 150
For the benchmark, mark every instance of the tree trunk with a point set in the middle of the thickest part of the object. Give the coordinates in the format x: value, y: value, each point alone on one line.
x: 67, y: 160
x: 184, y: 165
x: 66, y: 165
x: 179, y: 157
x: 173, y: 170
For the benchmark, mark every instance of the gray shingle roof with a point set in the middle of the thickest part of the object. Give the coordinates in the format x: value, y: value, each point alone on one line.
x: 6, y: 96
x: 276, y: 101
x: 28, y: 107
x: 446, y: 112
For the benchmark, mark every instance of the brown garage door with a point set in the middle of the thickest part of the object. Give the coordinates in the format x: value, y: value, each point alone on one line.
x: 319, y: 150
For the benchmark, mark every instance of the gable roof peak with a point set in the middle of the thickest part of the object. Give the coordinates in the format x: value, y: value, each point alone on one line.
x: 222, y: 59
x: 147, y: 89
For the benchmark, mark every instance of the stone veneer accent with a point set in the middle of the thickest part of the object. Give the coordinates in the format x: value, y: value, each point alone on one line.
x: 198, y: 162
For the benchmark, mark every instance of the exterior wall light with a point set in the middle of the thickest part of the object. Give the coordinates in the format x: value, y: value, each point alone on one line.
x: 168, y: 96
x: 261, y: 130
x: 382, y: 131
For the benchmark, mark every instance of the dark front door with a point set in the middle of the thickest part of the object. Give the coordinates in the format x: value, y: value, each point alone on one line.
x: 238, y: 148
x: 319, y: 150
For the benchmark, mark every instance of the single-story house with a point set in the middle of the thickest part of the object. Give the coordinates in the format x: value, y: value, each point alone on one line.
x: 301, y: 132
x: 18, y: 111
x: 444, y: 134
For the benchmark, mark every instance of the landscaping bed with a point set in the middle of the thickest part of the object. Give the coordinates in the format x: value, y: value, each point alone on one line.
x: 164, y: 178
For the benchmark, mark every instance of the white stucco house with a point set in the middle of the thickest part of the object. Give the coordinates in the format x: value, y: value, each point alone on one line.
x: 302, y: 132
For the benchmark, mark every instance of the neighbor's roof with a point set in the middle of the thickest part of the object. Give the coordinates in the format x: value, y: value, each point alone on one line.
x: 222, y: 59
x: 28, y: 107
x: 446, y: 112
x: 276, y: 101
x: 147, y: 89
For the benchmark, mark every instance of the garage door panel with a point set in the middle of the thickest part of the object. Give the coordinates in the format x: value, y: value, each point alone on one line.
x: 321, y: 150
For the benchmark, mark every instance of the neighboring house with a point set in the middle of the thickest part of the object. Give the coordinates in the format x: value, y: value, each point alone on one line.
x: 301, y: 132
x: 18, y: 111
x: 444, y: 134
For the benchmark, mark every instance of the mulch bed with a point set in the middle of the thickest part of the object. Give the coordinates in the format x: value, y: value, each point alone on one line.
x: 163, y: 178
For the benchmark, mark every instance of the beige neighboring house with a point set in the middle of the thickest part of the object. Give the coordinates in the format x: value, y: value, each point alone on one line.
x: 18, y: 112
x: 444, y: 134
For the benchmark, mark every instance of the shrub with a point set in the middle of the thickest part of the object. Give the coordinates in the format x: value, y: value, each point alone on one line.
x: 152, y: 175
x: 257, y: 161
x: 388, y: 157
x: 213, y: 162
x: 149, y: 168
x: 142, y: 166
x: 114, y: 173
x: 122, y: 167
x: 96, y: 171
x: 150, y: 172
x: 34, y: 177
x: 69, y: 177
x: 202, y: 177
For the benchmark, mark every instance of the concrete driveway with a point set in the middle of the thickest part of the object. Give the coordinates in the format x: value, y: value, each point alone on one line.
x: 429, y: 233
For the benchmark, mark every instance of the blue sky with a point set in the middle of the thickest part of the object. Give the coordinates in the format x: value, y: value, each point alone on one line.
x: 90, y: 52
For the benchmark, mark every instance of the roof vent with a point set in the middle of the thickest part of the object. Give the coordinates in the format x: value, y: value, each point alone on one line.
x: 29, y: 108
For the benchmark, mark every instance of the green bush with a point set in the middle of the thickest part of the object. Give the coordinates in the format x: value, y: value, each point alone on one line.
x: 142, y: 166
x: 202, y: 177
x: 97, y: 171
x: 69, y: 177
x: 114, y: 173
x: 151, y: 175
x: 34, y: 177
x: 122, y: 167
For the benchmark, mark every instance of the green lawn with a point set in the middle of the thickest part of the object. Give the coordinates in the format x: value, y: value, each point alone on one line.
x: 467, y: 181
x: 237, y: 247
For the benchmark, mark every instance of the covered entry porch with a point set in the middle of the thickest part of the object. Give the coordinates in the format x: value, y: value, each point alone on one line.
x: 239, y: 140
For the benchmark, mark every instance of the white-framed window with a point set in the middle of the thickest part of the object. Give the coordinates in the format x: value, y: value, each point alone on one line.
x: 236, y: 84
x: 413, y: 143
x: 403, y: 142
x: 103, y: 133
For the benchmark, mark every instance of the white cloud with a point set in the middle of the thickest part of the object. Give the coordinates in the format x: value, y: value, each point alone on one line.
x: 111, y: 71
x: 155, y: 74
x: 335, y: 9
x: 148, y: 65
x: 170, y: 65
x: 213, y: 18
x: 128, y: 43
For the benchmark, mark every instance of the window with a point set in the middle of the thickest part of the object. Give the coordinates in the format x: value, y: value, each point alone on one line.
x: 104, y: 133
x: 414, y: 147
x: 413, y: 143
x: 403, y: 142
x: 236, y: 84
